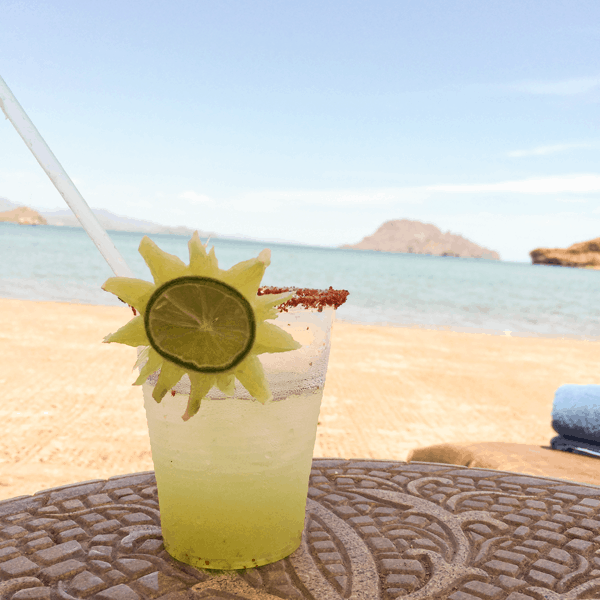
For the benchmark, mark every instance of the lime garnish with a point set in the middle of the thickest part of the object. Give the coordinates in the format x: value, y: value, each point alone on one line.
x: 200, y: 323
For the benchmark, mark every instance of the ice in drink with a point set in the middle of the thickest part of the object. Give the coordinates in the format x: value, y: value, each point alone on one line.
x: 233, y: 480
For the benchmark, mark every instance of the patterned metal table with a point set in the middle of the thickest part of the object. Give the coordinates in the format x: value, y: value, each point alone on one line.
x: 374, y: 529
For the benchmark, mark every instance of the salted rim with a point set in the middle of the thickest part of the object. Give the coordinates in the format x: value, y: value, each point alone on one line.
x: 307, y: 297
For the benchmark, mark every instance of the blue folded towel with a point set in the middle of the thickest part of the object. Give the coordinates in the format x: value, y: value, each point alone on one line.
x: 576, y: 418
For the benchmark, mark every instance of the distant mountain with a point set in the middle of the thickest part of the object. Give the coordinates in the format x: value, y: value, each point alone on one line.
x: 6, y: 204
x: 108, y: 220
x: 112, y: 222
x: 414, y: 237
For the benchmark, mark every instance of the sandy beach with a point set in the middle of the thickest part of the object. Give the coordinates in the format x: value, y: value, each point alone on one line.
x: 69, y: 412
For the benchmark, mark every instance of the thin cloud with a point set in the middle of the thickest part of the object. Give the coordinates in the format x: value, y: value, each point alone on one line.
x: 543, y: 150
x: 338, y: 197
x: 561, y: 184
x: 270, y: 200
x: 572, y: 200
x: 195, y: 198
x: 563, y: 87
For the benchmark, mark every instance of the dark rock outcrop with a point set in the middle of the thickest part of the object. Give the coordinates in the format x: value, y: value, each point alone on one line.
x: 23, y: 216
x: 583, y: 254
x: 414, y: 237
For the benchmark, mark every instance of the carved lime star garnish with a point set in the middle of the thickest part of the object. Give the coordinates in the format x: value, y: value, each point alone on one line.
x: 201, y: 321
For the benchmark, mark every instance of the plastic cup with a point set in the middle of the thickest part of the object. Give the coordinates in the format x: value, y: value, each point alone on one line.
x: 233, y: 480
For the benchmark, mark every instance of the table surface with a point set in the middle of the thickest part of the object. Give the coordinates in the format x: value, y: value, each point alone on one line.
x: 374, y: 529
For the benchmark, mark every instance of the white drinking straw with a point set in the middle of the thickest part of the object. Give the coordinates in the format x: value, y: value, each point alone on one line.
x: 35, y: 142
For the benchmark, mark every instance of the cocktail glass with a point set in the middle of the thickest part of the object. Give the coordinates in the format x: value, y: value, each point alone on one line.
x: 233, y: 479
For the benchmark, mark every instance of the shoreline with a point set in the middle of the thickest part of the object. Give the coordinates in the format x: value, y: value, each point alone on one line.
x: 349, y: 321
x: 475, y: 330
x: 71, y: 414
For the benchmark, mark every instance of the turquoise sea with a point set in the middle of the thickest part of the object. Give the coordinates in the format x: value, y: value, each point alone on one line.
x: 62, y: 264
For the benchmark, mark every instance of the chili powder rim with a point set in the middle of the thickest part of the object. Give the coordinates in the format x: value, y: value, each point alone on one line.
x: 307, y: 297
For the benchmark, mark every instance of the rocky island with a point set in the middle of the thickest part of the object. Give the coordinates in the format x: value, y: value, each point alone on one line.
x: 414, y: 237
x: 583, y: 254
x: 23, y: 216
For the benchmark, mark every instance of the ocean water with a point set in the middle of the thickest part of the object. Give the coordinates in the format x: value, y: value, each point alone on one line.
x: 62, y: 264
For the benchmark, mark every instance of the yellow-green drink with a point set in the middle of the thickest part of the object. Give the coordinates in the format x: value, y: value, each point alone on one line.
x: 233, y: 377
x: 232, y: 480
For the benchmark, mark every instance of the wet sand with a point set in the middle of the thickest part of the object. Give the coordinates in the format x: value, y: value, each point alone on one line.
x: 69, y: 412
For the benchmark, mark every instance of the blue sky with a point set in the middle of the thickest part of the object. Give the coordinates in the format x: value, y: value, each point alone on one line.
x: 315, y: 121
